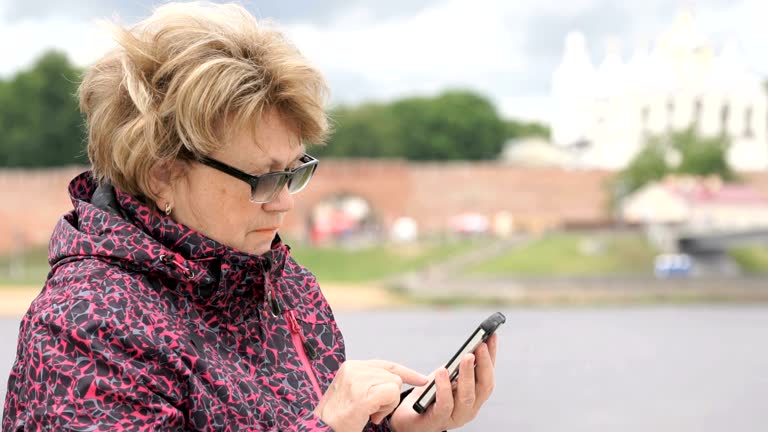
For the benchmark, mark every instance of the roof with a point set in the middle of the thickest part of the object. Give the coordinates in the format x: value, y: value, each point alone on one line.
x: 703, y: 192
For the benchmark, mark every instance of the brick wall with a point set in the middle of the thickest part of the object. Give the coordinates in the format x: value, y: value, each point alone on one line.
x: 33, y: 200
x: 534, y: 197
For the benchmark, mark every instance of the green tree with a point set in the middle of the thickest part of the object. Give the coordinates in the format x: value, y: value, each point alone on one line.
x: 647, y: 166
x: 700, y: 155
x: 453, y: 125
x: 679, y: 152
x: 39, y: 117
x: 518, y: 129
x: 364, y: 131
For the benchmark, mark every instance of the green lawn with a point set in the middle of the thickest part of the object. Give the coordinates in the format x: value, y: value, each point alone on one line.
x: 330, y: 264
x: 569, y: 254
x: 753, y: 259
x: 29, y: 268
x: 561, y: 254
x: 334, y: 264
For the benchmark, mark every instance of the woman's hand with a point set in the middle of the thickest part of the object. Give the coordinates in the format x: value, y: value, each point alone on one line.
x: 363, y: 390
x: 455, y: 405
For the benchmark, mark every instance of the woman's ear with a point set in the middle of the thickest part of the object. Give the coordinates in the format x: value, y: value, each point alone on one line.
x: 162, y: 179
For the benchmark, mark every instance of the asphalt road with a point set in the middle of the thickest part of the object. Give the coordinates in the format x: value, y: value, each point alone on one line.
x: 666, y: 369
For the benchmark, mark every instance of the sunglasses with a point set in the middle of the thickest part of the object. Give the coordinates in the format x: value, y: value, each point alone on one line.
x: 266, y: 187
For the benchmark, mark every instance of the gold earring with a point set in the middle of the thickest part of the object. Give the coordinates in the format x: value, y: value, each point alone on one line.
x: 168, y: 209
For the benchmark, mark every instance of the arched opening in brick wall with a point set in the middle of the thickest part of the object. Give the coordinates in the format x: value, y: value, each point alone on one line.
x: 344, y: 218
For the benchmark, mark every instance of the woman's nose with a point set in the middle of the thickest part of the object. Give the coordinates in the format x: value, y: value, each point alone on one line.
x: 283, y: 202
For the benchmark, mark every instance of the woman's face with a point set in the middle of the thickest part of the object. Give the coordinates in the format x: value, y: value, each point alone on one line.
x: 218, y: 205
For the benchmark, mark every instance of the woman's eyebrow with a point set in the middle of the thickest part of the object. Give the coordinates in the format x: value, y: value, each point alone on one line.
x: 276, y: 163
x: 256, y: 167
x: 298, y: 157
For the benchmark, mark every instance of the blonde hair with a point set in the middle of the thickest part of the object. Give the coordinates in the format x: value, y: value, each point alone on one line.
x: 183, y: 79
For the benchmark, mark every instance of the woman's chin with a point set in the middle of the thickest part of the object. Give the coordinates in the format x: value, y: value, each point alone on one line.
x: 259, y: 242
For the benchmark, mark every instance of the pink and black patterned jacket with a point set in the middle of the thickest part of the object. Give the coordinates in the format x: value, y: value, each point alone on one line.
x: 144, y: 324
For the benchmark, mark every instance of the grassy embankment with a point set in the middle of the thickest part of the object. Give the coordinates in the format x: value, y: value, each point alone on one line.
x: 355, y: 277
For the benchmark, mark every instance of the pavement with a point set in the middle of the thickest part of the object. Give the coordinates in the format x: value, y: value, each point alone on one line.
x: 15, y: 300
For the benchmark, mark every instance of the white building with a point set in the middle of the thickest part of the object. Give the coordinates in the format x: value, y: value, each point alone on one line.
x: 697, y: 205
x: 605, y: 112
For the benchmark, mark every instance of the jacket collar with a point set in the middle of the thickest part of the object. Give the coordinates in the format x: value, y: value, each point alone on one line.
x: 116, y: 226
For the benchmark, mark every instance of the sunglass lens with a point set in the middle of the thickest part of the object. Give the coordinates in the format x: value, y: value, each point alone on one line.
x: 267, y: 188
x: 301, y: 178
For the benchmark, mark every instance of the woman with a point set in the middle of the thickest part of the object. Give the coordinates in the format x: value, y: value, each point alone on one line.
x: 172, y: 303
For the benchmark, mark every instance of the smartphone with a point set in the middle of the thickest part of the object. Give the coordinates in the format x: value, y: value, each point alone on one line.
x: 480, y: 335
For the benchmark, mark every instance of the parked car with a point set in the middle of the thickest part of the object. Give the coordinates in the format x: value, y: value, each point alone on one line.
x: 673, y: 265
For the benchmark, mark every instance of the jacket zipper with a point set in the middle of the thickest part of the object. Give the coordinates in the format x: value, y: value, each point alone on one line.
x: 273, y: 304
x: 300, y: 342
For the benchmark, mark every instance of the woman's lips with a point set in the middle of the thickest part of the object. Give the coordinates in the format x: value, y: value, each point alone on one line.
x: 266, y: 230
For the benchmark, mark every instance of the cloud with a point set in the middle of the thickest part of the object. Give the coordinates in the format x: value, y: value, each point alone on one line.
x: 370, y: 49
x: 22, y: 10
x: 27, y: 39
x: 457, y: 43
x: 507, y: 50
x: 312, y: 11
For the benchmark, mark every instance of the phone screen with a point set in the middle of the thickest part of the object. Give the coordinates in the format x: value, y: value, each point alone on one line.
x: 480, y: 335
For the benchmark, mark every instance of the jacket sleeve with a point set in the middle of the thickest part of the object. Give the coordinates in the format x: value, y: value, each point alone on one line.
x: 318, y: 298
x: 383, y: 427
x: 79, y: 367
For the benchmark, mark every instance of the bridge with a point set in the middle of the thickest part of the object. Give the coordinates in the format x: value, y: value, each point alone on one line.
x: 718, y: 242
x: 709, y: 250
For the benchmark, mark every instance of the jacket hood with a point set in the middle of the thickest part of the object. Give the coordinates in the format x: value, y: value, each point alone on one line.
x: 110, y: 225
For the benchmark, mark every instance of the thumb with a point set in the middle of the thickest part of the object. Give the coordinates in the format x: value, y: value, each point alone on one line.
x: 377, y: 418
x: 384, y: 399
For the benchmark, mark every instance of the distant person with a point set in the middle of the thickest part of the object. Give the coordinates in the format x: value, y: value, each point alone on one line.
x: 172, y: 303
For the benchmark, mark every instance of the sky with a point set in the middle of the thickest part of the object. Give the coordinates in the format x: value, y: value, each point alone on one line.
x: 372, y: 50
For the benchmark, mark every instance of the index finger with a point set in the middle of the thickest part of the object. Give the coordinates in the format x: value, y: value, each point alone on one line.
x: 409, y: 376
x: 493, y: 344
